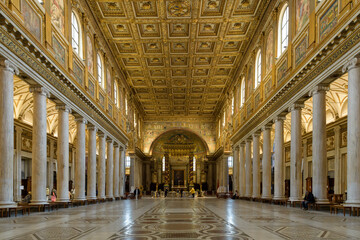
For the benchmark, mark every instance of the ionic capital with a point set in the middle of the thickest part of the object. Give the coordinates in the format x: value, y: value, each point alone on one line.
x: 353, y: 63
x: 256, y: 135
x: 296, y: 106
x: 266, y: 127
x: 116, y: 145
x: 242, y: 144
x: 101, y: 134
x: 39, y: 90
x: 321, y: 88
x: 8, y: 66
x: 109, y: 140
x: 279, y: 118
x: 92, y: 127
x: 63, y: 107
x: 80, y: 119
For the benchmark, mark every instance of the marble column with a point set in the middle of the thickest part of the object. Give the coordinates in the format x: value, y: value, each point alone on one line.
x: 242, y: 182
x: 7, y: 71
x: 101, y: 166
x: 279, y: 179
x: 17, y: 164
x: 256, y: 166
x: 109, y: 169
x: 39, y: 144
x: 225, y: 162
x: 338, y: 166
x: 132, y: 173
x: 319, y: 163
x: 122, y: 172
x: 91, y: 165
x: 63, y: 154
x: 50, y: 166
x: 116, y: 171
x: 248, y: 169
x: 148, y: 176
x: 80, y: 159
x: 295, y: 155
x: 210, y: 176
x: 353, y: 133
x: 305, y: 165
x: 236, y: 169
x: 266, y: 163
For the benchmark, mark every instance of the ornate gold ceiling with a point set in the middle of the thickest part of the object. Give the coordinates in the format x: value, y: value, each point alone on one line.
x: 179, y: 55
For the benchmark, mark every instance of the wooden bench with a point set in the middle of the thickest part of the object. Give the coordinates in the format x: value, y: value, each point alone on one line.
x: 23, y: 209
x: 356, y: 209
x: 92, y: 201
x: 341, y: 207
x: 266, y: 200
x: 317, y: 205
x: 292, y: 203
x: 280, y: 201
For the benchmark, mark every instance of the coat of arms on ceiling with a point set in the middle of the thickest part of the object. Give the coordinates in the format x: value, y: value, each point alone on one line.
x: 179, y: 8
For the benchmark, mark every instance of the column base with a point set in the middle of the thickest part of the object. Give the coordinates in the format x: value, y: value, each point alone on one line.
x: 109, y: 197
x: 7, y: 204
x: 292, y: 199
x: 101, y: 197
x: 91, y: 197
x: 267, y: 197
x: 62, y: 200
x: 352, y: 203
x: 322, y: 200
x: 38, y: 202
x: 80, y: 199
x: 255, y: 196
x: 279, y: 198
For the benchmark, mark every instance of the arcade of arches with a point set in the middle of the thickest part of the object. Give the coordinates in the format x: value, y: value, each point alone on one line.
x: 258, y: 98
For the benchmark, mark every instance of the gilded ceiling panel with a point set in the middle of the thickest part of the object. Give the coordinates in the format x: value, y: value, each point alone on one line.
x: 178, y: 54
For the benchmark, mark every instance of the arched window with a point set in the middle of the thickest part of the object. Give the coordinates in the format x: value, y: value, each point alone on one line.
x: 127, y: 162
x: 194, y: 163
x: 283, y: 30
x: 116, y: 100
x: 100, y: 71
x: 242, y: 98
x: 126, y: 107
x: 76, y: 34
x: 163, y: 164
x: 230, y: 161
x: 232, y: 105
x: 258, y: 69
x: 224, y: 117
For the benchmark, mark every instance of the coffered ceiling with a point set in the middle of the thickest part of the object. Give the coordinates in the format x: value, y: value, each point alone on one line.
x: 178, y: 55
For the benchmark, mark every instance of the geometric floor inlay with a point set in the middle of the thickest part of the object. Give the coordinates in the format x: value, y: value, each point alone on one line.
x: 180, y: 220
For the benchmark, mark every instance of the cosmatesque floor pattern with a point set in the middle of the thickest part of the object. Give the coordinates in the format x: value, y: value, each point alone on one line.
x: 203, y: 218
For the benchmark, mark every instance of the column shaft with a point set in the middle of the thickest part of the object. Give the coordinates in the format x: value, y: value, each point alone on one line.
x: 7, y: 71
x: 122, y: 172
x: 236, y: 169
x: 116, y: 171
x: 279, y: 159
x: 242, y: 182
x: 256, y: 166
x: 91, y: 166
x: 101, y: 167
x: 295, y: 155
x: 80, y: 160
x: 38, y: 178
x: 248, y: 169
x: 63, y: 154
x: 109, y: 169
x: 266, y: 163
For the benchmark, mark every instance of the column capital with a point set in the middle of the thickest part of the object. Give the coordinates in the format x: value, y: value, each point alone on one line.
x: 8, y: 66
x: 236, y: 147
x: 116, y: 145
x: 39, y: 89
x: 63, y: 107
x: 266, y: 127
x: 242, y: 144
x: 256, y: 134
x: 101, y: 134
x: 296, y: 106
x: 92, y: 127
x: 122, y: 148
x: 249, y: 139
x: 279, y: 118
x: 80, y: 119
x: 319, y: 89
x: 353, y: 63
x: 109, y: 140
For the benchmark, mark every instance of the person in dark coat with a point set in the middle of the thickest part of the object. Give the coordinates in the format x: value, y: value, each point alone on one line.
x: 309, y: 198
x: 137, y: 192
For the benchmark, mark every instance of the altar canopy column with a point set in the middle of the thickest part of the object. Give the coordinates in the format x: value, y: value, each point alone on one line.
x: 63, y: 154
x: 279, y: 159
x: 256, y: 165
x: 122, y: 171
x: 116, y: 171
x: 191, y: 170
x: 242, y: 182
x: 80, y: 159
x: 353, y: 133
x: 320, y: 168
x: 91, y: 165
x: 7, y: 71
x: 101, y: 166
x: 295, y: 155
x: 109, y: 169
x: 236, y: 169
x: 266, y: 163
x: 248, y: 168
x: 39, y: 144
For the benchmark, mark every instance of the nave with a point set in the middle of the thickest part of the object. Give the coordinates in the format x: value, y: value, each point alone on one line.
x: 199, y: 218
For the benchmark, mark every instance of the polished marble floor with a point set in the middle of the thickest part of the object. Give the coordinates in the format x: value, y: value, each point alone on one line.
x: 203, y: 218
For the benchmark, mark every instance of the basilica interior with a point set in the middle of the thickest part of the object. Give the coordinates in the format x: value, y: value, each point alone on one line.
x: 189, y: 119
